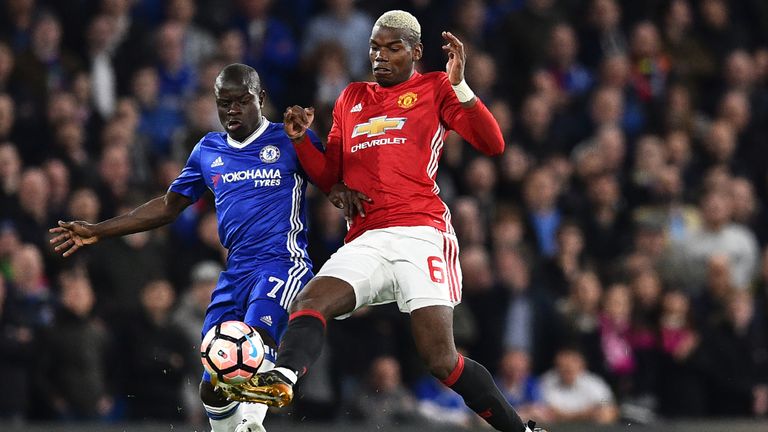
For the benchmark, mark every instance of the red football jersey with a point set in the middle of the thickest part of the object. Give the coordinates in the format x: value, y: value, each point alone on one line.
x: 386, y: 142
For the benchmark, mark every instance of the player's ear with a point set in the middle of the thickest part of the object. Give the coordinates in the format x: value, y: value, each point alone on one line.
x: 418, y: 51
x: 262, y: 97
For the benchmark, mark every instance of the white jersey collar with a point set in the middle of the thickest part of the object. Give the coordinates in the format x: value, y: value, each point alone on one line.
x: 251, y: 138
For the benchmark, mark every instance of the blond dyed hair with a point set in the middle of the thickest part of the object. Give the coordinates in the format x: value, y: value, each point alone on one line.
x: 402, y: 20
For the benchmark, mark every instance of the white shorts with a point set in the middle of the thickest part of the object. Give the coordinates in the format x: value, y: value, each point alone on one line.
x: 413, y: 266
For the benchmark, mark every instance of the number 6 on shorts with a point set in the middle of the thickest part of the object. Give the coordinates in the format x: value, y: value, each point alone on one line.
x: 436, y: 272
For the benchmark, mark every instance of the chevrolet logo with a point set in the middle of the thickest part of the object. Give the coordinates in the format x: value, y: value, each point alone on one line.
x: 378, y: 125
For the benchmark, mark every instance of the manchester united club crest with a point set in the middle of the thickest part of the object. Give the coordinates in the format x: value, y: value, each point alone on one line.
x: 269, y: 154
x: 407, y: 100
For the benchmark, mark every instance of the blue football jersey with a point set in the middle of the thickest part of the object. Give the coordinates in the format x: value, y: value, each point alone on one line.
x: 259, y: 188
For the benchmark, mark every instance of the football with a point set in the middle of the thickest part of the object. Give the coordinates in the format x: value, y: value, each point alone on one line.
x: 232, y: 352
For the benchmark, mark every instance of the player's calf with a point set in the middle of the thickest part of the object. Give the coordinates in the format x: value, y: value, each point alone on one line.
x: 475, y: 384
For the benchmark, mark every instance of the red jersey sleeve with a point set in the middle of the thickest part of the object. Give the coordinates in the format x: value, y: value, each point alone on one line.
x: 475, y: 124
x: 324, y: 168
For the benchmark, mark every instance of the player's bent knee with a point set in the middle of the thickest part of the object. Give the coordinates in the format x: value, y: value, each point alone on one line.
x: 441, y: 365
x: 209, y: 396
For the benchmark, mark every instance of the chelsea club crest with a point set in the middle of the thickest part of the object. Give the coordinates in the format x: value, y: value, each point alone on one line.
x: 269, y: 154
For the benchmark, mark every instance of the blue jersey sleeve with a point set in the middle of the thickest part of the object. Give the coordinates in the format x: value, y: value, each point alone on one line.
x: 190, y: 182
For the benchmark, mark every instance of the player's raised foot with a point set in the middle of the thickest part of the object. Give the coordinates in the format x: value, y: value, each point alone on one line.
x: 532, y: 427
x: 268, y: 388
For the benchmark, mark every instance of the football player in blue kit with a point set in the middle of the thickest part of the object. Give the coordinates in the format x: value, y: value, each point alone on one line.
x: 259, y: 186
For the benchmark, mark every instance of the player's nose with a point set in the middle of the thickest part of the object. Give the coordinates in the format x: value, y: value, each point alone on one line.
x: 234, y: 108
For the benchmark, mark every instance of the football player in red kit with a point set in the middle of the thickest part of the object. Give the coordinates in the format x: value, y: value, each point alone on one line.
x: 385, y: 142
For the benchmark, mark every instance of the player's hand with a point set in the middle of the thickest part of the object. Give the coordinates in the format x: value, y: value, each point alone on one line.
x: 349, y: 200
x: 457, y: 58
x: 296, y: 121
x: 71, y: 236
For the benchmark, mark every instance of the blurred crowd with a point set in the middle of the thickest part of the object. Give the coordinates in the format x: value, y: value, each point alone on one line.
x: 614, y: 257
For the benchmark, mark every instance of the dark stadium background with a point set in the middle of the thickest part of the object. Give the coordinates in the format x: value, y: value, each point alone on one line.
x: 626, y: 218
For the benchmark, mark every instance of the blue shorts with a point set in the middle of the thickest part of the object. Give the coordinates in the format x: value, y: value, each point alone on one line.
x: 259, y: 297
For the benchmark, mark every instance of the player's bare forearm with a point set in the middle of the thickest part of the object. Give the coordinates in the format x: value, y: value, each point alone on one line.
x: 153, y: 214
x: 72, y: 235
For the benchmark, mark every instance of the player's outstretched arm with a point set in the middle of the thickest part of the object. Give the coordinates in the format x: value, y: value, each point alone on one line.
x: 469, y: 117
x: 72, y: 235
x: 454, y: 67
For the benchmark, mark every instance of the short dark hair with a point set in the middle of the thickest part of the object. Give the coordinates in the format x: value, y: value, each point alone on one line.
x: 240, y: 73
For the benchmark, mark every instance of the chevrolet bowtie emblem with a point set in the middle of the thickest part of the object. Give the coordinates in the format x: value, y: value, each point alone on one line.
x: 378, y: 125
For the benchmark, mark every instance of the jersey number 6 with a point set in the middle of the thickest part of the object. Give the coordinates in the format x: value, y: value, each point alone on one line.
x: 436, y: 272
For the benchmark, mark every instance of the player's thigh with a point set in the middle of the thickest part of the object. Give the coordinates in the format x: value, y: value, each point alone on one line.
x: 271, y: 295
x: 426, y: 268
x: 361, y: 265
x: 228, y: 299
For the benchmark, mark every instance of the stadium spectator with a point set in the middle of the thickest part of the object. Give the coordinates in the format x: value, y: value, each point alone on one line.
x: 18, y: 343
x: 32, y: 300
x: 736, y: 348
x: 606, y: 219
x: 188, y: 316
x: 571, y: 393
x: 18, y: 23
x: 200, y: 119
x: 198, y: 43
x: 572, y: 78
x: 681, y: 369
x: 602, y: 36
x: 84, y: 205
x: 43, y: 68
x: 693, y: 63
x: 346, y: 25
x: 100, y: 51
x: 75, y: 364
x: 10, y: 179
x: 156, y: 357
x: 718, y: 236
x: 270, y: 46
x: 580, y: 316
x: 526, y: 310
x: 570, y: 260
x: 650, y: 65
x: 59, y: 182
x: 439, y: 405
x: 34, y: 207
x: 519, y: 385
x: 616, y: 339
x: 384, y: 400
x: 129, y: 43
x: 176, y: 75
x: 158, y: 118
x: 543, y: 215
